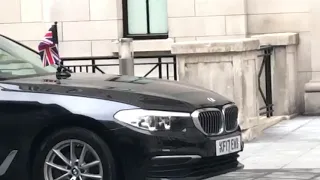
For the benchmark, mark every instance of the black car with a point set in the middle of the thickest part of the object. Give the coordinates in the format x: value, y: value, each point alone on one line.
x: 109, y: 127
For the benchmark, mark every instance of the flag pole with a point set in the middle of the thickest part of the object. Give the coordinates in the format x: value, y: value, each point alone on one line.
x: 55, y: 33
x: 56, y: 42
x: 62, y: 72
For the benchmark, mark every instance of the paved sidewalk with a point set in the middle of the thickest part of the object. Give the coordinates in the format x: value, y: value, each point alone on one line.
x: 289, y: 150
x: 272, y: 174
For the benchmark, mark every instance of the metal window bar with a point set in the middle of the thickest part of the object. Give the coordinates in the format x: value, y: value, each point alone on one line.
x: 267, y: 96
x: 97, y: 67
x: 148, y: 16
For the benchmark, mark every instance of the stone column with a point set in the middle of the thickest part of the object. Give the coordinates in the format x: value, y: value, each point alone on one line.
x: 284, y: 76
x: 315, y: 37
x: 312, y: 88
x: 226, y: 67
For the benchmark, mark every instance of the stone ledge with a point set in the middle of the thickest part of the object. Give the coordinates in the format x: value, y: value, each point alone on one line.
x: 312, y: 87
x: 148, y: 45
x: 312, y: 93
x: 278, y: 39
x: 153, y: 45
x: 217, y: 46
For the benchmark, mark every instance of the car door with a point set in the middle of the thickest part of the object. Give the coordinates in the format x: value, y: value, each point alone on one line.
x: 22, y: 118
x: 17, y: 117
x: 11, y: 137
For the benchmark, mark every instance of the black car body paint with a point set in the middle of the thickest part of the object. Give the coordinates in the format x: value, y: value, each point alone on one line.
x: 29, y: 105
x: 31, y: 108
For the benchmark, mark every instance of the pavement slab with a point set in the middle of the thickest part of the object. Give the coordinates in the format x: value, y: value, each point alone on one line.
x: 272, y: 174
x: 285, y: 151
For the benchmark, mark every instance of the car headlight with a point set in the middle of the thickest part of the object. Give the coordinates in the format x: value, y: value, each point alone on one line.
x: 149, y: 119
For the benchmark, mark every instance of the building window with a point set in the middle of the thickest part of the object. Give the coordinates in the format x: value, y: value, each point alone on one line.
x: 145, y: 19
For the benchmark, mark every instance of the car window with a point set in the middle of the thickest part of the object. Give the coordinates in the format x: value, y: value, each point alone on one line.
x: 11, y: 65
x: 18, y: 61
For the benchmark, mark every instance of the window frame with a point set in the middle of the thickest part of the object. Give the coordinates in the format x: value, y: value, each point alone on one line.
x: 139, y: 36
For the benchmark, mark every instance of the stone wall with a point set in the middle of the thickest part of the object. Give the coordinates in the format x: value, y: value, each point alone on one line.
x: 312, y: 89
x: 213, y: 19
x: 90, y: 27
x: 86, y: 27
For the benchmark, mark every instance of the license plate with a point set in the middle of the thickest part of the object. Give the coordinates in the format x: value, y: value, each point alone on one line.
x: 228, y: 145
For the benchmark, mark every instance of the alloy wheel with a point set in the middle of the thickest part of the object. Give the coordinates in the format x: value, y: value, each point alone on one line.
x: 73, y: 160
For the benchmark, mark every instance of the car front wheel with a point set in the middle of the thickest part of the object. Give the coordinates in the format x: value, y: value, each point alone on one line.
x: 74, y: 154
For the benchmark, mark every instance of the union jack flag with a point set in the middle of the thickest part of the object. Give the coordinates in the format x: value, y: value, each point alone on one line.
x: 48, y: 48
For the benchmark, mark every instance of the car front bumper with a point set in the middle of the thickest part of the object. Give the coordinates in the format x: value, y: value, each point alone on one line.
x: 200, y: 168
x: 152, y: 157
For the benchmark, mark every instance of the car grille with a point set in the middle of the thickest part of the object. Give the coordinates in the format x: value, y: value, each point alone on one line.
x: 231, y: 117
x: 212, y: 121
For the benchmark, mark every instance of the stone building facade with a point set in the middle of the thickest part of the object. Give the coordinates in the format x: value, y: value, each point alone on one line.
x: 91, y: 27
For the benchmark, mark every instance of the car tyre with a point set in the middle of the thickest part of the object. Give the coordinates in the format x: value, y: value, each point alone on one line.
x: 43, y: 169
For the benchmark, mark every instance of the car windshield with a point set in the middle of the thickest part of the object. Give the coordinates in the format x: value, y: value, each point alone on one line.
x: 17, y: 61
